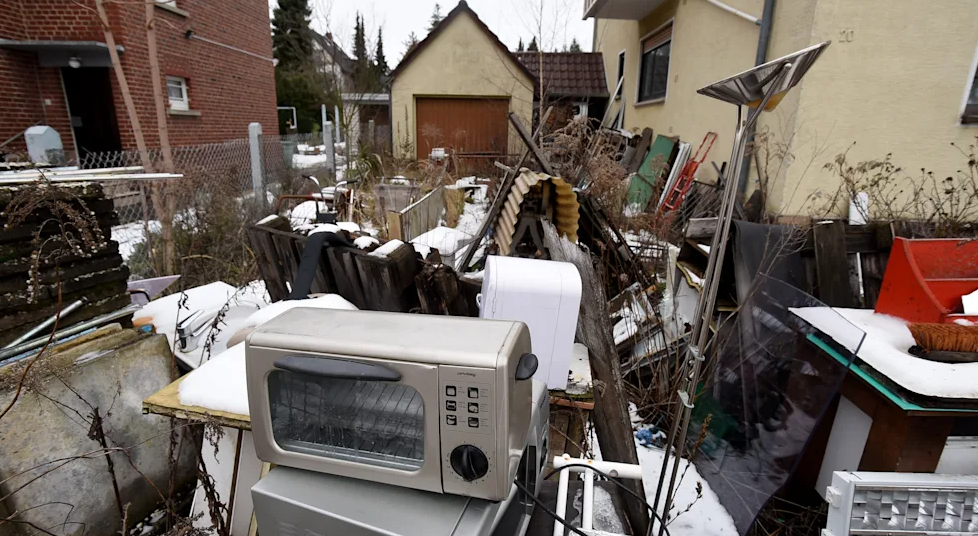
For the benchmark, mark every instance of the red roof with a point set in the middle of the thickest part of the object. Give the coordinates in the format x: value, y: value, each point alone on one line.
x: 568, y: 74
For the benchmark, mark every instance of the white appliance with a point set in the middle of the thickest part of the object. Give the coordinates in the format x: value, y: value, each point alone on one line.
x: 901, y: 503
x: 544, y: 295
x: 435, y: 403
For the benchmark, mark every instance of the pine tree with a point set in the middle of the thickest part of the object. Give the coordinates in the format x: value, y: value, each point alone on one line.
x: 291, y: 36
x: 575, y: 46
x: 532, y: 47
x: 435, y: 17
x: 519, y: 47
x: 362, y: 71
x: 410, y: 43
x: 380, y: 62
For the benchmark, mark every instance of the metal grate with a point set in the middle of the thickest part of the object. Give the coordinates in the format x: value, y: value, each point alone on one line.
x: 370, y: 422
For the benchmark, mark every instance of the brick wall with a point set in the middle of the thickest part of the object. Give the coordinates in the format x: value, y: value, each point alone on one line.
x: 228, y: 88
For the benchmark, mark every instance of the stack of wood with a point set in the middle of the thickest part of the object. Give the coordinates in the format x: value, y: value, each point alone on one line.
x: 30, y: 276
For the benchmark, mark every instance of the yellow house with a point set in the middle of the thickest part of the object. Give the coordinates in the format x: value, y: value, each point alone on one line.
x: 455, y: 89
x: 899, y: 78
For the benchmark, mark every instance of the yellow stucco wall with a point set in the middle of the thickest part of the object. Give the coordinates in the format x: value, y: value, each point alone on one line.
x: 461, y: 62
x: 893, y: 81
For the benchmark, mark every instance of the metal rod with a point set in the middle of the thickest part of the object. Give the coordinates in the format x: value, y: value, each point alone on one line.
x: 706, y: 304
x: 67, y: 332
x: 55, y: 317
x: 587, y: 504
x: 735, y: 11
x: 561, y: 506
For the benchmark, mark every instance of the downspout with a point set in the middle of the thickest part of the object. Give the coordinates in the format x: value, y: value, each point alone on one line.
x: 763, y: 40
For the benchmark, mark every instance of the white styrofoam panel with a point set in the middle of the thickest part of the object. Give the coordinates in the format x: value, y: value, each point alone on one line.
x: 850, y: 430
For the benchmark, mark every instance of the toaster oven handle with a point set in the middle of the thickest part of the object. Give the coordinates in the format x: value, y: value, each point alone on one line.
x: 337, y: 368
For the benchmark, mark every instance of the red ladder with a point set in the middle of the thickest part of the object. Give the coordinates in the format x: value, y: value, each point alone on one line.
x: 685, y: 181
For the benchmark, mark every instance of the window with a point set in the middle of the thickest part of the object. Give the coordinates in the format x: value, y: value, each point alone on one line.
x: 170, y: 3
x: 621, y: 73
x: 176, y: 90
x: 971, y: 107
x: 654, y: 67
x: 580, y: 109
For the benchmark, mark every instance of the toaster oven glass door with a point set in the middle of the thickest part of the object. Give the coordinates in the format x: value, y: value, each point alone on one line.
x: 373, y: 422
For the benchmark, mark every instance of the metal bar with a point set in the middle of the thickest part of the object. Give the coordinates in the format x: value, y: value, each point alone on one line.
x: 54, y: 318
x: 561, y: 507
x: 706, y: 304
x: 587, y: 506
x: 67, y: 332
x: 6, y: 181
x: 497, y: 203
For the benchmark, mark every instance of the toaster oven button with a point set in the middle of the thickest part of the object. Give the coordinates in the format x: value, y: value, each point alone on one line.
x: 473, y: 422
x: 450, y: 420
x: 449, y: 390
x: 473, y: 407
x: 473, y: 392
x: 450, y: 405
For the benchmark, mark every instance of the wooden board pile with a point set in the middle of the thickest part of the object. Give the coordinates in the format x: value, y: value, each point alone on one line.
x: 97, y: 274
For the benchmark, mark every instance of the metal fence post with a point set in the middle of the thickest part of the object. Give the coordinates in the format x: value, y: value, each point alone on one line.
x: 328, y: 142
x: 257, y: 185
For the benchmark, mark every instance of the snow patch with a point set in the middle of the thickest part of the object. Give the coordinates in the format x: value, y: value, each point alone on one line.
x: 348, y: 226
x: 387, y: 248
x: 365, y: 242
x: 445, y: 239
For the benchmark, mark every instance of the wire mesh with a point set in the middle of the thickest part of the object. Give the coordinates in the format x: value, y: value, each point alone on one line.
x: 369, y: 422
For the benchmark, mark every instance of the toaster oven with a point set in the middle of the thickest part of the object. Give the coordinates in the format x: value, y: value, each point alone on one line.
x: 435, y: 403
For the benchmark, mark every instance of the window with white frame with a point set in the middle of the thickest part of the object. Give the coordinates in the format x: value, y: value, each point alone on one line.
x: 171, y: 3
x: 653, y: 71
x: 176, y: 90
x: 580, y: 109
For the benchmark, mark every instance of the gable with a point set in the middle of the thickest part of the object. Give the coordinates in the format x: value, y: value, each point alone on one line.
x: 459, y: 46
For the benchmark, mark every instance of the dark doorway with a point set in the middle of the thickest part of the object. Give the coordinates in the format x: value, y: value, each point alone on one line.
x: 93, y: 120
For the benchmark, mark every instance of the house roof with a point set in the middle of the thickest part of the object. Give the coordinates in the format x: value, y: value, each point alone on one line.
x: 336, y: 52
x: 568, y: 74
x: 462, y: 7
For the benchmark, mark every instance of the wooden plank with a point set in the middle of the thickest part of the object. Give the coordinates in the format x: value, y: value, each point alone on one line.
x: 438, y: 291
x: 394, y: 228
x: 901, y: 443
x: 388, y: 282
x: 831, y: 265
x: 640, y: 150
x: 347, y: 274
x: 166, y: 402
x: 701, y: 228
x: 534, y: 150
x: 270, y: 265
x: 874, y: 266
x: 285, y: 247
x: 855, y: 286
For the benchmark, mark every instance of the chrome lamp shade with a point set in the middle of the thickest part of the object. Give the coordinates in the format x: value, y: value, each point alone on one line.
x: 749, y: 87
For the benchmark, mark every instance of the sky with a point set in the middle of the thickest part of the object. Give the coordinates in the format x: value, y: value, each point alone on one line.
x: 510, y: 20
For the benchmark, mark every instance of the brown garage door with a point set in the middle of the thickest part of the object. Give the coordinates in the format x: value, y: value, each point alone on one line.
x: 467, y: 126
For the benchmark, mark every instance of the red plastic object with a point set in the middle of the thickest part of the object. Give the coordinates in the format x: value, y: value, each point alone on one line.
x: 925, y: 279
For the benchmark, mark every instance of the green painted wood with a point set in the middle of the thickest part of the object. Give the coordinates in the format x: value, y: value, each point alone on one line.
x: 653, y: 168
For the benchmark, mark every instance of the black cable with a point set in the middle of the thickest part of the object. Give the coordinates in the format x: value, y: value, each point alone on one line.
x: 614, y: 481
x: 548, y: 511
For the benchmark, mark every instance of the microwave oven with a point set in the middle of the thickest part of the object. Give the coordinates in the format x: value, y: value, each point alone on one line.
x: 434, y: 403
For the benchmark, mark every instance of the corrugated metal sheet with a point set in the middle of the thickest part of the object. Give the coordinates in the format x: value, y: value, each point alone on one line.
x: 567, y: 209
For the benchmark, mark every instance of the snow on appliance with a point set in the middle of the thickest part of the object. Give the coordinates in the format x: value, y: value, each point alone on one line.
x: 544, y: 295
x: 435, y: 403
x: 294, y: 501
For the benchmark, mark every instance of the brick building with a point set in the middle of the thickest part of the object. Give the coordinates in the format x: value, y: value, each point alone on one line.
x: 215, y: 62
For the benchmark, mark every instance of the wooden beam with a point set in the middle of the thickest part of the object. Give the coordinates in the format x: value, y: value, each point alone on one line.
x: 831, y: 264
x: 528, y: 140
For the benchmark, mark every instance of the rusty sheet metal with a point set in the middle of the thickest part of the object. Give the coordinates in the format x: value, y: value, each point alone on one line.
x: 566, y: 209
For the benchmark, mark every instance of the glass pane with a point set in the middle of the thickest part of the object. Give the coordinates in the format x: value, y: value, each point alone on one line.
x: 645, y: 83
x: 973, y: 99
x: 660, y: 76
x: 369, y: 422
x: 174, y: 91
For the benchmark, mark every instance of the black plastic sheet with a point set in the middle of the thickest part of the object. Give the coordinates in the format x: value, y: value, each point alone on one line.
x: 768, y: 390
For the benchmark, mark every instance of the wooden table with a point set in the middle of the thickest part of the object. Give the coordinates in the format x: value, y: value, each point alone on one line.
x: 878, y: 423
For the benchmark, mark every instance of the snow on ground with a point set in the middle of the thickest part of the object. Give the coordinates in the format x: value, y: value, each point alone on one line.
x: 365, y: 242
x: 387, y: 248
x: 131, y: 235
x: 885, y: 348
x: 221, y: 383
x: 472, y: 214
x: 306, y: 161
x: 706, y: 516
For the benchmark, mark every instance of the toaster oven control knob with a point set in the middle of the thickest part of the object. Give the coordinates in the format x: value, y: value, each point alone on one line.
x: 469, y: 462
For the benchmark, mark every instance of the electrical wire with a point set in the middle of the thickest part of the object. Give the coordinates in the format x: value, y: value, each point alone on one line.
x: 548, y: 511
x: 614, y: 481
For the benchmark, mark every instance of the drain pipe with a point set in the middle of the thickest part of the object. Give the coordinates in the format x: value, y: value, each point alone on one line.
x: 763, y: 40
